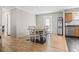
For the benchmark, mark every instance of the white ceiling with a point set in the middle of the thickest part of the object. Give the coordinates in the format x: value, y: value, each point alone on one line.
x: 42, y: 9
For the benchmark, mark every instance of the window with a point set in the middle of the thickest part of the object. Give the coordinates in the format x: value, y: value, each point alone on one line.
x: 47, y: 23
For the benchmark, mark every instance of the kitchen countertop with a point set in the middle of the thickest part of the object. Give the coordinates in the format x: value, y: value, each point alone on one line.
x: 72, y: 25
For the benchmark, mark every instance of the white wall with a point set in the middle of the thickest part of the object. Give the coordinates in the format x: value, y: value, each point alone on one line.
x: 13, y: 22
x: 0, y: 16
x: 9, y: 23
x: 20, y: 21
x: 40, y: 18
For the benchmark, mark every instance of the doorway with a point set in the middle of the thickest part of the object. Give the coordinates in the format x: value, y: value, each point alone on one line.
x: 6, y: 21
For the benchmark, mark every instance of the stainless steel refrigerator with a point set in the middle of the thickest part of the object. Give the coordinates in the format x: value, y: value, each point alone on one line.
x: 60, y: 25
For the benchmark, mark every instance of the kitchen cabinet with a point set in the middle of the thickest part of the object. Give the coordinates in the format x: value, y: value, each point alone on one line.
x: 76, y: 15
x: 72, y: 30
x: 76, y: 31
x: 69, y: 31
x: 68, y: 17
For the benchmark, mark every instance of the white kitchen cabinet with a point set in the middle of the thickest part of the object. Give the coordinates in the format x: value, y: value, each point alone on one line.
x: 75, y: 15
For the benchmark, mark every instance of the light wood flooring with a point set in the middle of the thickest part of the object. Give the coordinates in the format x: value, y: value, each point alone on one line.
x: 13, y: 44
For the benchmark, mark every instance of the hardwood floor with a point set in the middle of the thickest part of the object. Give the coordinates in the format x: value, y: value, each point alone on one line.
x: 59, y: 43
x: 12, y: 44
x: 0, y: 44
